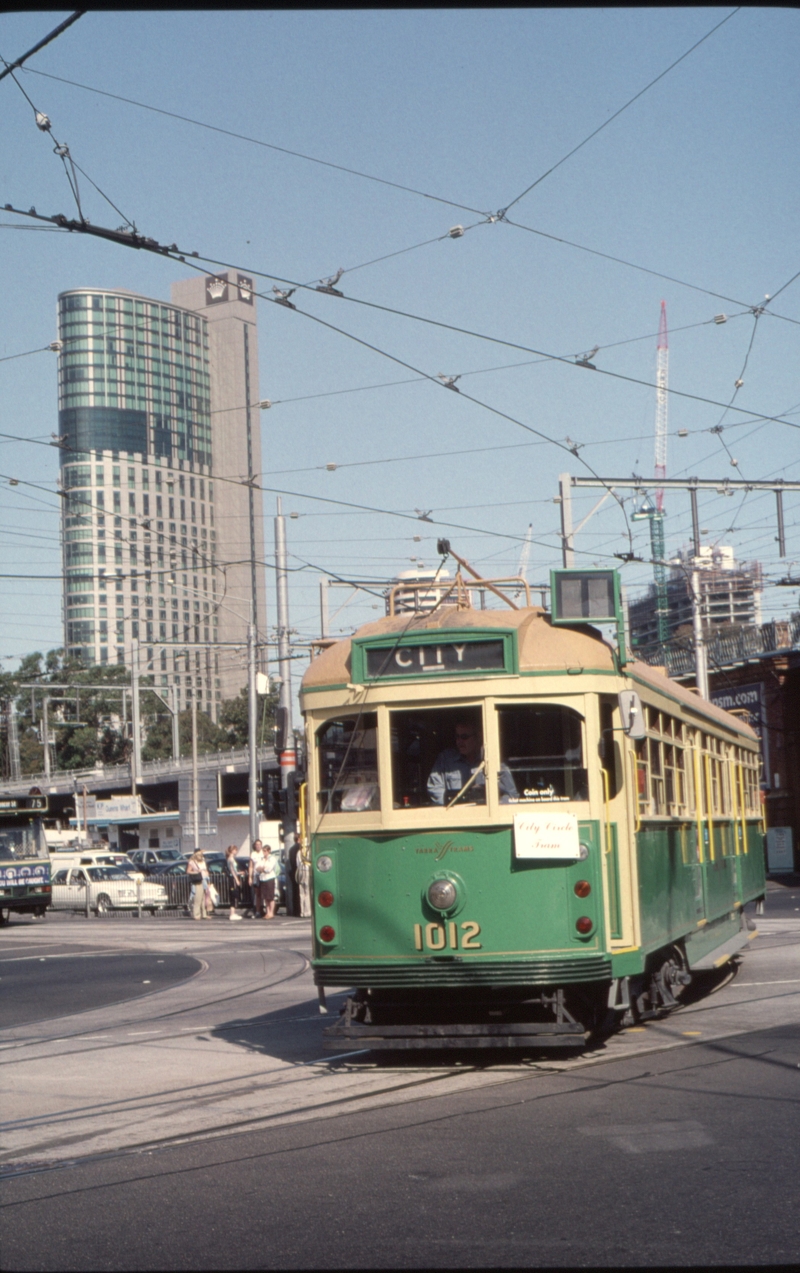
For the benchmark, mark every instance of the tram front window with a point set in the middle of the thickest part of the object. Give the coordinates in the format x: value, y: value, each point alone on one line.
x: 541, y: 746
x: 347, y: 754
x: 437, y: 758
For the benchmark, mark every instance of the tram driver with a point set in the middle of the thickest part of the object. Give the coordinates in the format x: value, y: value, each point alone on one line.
x: 456, y: 766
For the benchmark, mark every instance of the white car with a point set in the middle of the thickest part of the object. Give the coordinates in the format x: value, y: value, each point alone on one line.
x: 110, y: 888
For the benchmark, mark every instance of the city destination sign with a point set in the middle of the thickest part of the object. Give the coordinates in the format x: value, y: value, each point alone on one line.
x: 442, y: 656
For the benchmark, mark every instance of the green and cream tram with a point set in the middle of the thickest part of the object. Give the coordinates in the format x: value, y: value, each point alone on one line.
x: 516, y: 835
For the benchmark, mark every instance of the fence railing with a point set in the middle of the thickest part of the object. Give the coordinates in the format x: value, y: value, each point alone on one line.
x: 728, y: 648
x: 164, y: 896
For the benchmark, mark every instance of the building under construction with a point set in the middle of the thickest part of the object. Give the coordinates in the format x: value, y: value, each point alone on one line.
x: 730, y: 595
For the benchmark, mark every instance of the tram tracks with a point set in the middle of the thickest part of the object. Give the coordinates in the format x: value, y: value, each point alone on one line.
x: 196, y: 1006
x: 262, y: 1071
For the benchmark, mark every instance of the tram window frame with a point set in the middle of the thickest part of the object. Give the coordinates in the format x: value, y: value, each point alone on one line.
x: 608, y: 748
x: 663, y: 780
x: 419, y: 736
x: 351, y: 786
x: 562, y: 770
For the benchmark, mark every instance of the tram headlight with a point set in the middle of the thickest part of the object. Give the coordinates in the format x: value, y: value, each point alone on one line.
x: 442, y: 895
x: 324, y: 863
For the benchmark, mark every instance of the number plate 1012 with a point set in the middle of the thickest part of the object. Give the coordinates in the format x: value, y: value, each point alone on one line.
x: 451, y: 936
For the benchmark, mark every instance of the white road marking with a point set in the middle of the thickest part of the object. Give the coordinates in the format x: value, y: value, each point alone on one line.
x: 790, y: 981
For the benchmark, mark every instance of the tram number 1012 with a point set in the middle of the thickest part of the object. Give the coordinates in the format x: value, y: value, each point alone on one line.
x: 439, y: 936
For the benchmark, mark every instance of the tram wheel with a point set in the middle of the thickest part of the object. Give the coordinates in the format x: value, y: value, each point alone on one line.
x: 103, y: 904
x: 669, y: 977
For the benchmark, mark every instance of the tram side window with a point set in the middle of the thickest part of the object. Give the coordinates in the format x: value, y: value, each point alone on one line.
x: 541, y: 746
x: 661, y: 767
x: 347, y: 756
x: 437, y: 753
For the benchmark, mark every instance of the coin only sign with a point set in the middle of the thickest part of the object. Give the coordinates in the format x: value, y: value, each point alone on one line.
x: 546, y: 835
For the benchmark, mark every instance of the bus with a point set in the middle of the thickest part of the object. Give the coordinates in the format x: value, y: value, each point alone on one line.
x: 519, y: 836
x: 24, y: 856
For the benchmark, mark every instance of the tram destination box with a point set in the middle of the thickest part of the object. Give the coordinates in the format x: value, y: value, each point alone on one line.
x: 585, y: 596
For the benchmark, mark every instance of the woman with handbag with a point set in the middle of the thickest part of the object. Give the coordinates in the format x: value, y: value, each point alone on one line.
x: 234, y: 880
x: 269, y: 880
x: 197, y: 873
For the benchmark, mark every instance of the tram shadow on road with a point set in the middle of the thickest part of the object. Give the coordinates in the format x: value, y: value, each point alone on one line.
x: 295, y: 1035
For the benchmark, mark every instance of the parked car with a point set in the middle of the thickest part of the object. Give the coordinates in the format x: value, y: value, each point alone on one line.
x: 152, y: 861
x: 110, y: 888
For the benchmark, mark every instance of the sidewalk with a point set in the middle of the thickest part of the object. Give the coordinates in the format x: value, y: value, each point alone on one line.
x: 790, y: 880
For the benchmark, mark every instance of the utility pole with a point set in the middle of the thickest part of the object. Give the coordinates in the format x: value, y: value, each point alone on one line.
x: 252, y: 725
x: 176, y: 725
x: 700, y: 661
x: 46, y: 736
x: 136, y: 724
x: 195, y: 792
x: 565, y: 493
x: 288, y: 755
x: 323, y: 606
x: 15, y: 767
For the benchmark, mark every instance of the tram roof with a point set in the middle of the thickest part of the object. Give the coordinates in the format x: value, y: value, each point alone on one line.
x: 541, y: 647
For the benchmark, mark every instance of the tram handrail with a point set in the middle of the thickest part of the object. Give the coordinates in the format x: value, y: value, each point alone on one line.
x: 739, y: 772
x: 698, y: 797
x: 607, y: 806
x: 710, y: 808
x: 637, y: 817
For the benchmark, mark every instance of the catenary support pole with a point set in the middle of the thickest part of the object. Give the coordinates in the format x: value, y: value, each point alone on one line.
x: 700, y: 663
x: 288, y: 756
x: 323, y: 606
x: 46, y: 735
x: 565, y: 491
x: 176, y: 725
x: 781, y: 531
x: 252, y: 724
x: 195, y: 792
x: 136, y: 727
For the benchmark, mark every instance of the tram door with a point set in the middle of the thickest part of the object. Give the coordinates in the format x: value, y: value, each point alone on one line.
x: 618, y: 820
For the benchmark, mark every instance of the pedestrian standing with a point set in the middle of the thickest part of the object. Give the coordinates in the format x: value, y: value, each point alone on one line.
x: 255, y: 869
x: 197, y: 873
x: 268, y: 881
x: 234, y: 880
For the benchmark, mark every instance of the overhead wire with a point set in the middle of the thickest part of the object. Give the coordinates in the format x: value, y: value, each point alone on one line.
x: 255, y: 141
x: 619, y: 112
x: 14, y: 66
x: 463, y: 331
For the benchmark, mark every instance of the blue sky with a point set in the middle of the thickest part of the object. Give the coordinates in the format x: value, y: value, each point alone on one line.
x: 697, y: 180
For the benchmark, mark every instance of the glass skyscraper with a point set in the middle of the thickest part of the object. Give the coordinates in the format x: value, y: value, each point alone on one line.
x: 159, y: 432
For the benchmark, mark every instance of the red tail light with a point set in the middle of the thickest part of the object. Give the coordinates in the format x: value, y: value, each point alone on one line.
x: 583, y: 888
x: 326, y: 933
x: 325, y: 898
x: 584, y: 924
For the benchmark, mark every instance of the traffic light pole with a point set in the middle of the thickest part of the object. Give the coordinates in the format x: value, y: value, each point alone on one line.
x: 252, y: 720
x: 286, y: 747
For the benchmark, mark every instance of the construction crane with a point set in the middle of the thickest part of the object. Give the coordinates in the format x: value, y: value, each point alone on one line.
x: 654, y: 512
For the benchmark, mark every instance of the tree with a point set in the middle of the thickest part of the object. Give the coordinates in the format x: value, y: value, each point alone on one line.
x: 86, y: 724
x: 235, y: 714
